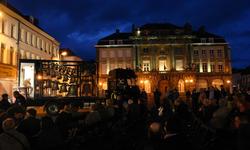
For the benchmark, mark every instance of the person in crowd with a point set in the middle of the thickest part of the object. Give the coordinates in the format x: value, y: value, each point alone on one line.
x: 17, y: 112
x: 49, y: 137
x: 30, y: 126
x: 157, y: 97
x: 11, y: 139
x: 4, y: 103
x: 3, y: 116
x: 93, y: 116
x: 144, y: 97
x: 20, y: 99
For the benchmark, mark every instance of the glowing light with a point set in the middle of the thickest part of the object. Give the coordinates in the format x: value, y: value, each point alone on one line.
x: 141, y: 81
x: 64, y: 53
x: 228, y: 81
x: 39, y: 77
x: 100, y: 83
x: 186, y: 81
x: 1, y: 14
x: 146, y: 81
x: 191, y: 81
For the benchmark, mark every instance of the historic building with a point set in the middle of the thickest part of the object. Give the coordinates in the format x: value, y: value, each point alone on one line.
x: 167, y: 56
x: 21, y: 38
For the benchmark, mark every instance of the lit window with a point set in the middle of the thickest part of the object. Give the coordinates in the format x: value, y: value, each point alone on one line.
x: 196, y: 53
x: 12, y: 31
x: 212, y: 68
x: 220, y: 68
x: 179, y: 64
x: 162, y: 65
x: 219, y: 53
x: 104, y: 68
x: 204, y: 67
x: 146, y: 65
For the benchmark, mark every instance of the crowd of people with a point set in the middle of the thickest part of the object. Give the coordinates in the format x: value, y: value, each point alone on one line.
x: 205, y: 119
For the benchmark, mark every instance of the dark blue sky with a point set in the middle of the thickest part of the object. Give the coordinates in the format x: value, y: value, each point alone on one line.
x: 78, y: 24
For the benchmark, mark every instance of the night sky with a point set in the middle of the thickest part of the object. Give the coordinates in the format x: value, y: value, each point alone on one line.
x: 79, y: 24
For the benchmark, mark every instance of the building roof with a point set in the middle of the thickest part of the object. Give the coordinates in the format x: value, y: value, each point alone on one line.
x: 124, y: 36
x: 30, y: 19
x: 162, y: 31
x: 159, y: 26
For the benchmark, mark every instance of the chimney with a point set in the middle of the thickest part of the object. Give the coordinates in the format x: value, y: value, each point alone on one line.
x: 117, y: 31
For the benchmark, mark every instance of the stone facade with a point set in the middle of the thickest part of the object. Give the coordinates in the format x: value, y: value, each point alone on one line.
x: 166, y: 56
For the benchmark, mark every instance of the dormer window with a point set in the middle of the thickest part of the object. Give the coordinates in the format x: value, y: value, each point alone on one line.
x: 203, y: 40
x: 111, y: 42
x: 119, y: 42
x: 211, y: 40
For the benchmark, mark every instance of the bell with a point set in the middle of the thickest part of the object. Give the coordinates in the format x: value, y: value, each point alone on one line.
x: 63, y: 88
x: 72, y: 80
x: 59, y: 76
x: 65, y: 78
x: 52, y: 73
x: 47, y: 84
x: 55, y: 85
x: 72, y: 90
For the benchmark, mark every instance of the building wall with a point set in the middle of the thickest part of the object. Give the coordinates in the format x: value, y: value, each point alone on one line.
x: 20, y: 39
x: 110, y: 58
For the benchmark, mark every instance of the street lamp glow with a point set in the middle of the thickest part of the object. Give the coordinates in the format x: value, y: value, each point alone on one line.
x: 39, y: 77
x: 146, y: 81
x: 141, y: 81
x: 191, y: 81
x: 64, y: 53
x: 1, y: 14
x: 228, y: 81
x: 186, y: 81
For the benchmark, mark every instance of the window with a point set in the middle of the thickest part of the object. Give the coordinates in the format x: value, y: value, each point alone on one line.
x: 204, y: 67
x: 12, y: 31
x: 40, y: 44
x: 211, y: 40
x: 11, y: 55
x: 33, y: 40
x: 203, y: 40
x: 197, y: 67
x: 219, y: 53
x: 3, y: 26
x: 196, y: 53
x: 204, y: 53
x: 178, y: 51
x: 145, y: 50
x: 2, y: 52
x: 26, y: 37
x: 162, y: 65
x: 220, y: 68
x: 111, y: 42
x: 22, y: 35
x: 211, y: 52
x: 119, y: 42
x: 212, y: 67
x: 179, y: 64
x: 146, y: 65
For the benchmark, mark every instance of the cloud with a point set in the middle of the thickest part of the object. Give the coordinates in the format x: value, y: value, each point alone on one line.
x: 79, y: 24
